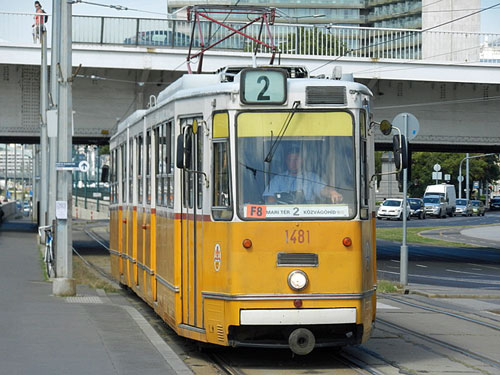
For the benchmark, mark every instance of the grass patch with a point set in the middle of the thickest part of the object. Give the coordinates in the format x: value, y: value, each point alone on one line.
x: 84, y: 275
x: 413, y: 236
x: 385, y: 286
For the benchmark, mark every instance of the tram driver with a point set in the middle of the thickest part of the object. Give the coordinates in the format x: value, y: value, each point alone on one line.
x: 297, y: 186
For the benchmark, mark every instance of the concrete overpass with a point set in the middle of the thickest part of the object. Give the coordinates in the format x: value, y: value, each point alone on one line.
x: 456, y: 101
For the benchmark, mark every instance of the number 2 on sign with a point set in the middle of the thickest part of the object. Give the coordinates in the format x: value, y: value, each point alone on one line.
x: 297, y: 236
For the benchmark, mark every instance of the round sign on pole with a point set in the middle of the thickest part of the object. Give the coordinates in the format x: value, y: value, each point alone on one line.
x: 413, y: 124
x: 437, y: 167
x: 460, y: 178
x: 83, y: 166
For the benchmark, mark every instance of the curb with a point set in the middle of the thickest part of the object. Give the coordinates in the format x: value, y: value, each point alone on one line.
x: 451, y: 295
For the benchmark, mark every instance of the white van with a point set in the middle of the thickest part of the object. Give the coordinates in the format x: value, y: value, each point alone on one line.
x: 447, y: 192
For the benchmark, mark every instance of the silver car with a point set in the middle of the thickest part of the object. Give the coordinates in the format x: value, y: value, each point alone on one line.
x: 464, y: 207
x: 435, y: 205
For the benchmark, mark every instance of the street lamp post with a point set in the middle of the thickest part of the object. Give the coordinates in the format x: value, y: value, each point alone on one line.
x: 460, y: 178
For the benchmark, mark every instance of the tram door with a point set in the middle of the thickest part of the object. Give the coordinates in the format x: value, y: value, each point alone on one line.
x: 192, y: 220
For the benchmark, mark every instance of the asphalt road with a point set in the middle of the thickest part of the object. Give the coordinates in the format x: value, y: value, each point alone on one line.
x: 490, y: 218
x: 461, y: 267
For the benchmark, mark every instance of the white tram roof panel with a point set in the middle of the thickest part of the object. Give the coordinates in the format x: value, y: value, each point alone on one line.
x: 192, y: 85
x: 132, y: 119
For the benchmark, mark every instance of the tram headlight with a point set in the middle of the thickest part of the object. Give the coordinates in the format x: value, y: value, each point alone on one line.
x: 297, y: 280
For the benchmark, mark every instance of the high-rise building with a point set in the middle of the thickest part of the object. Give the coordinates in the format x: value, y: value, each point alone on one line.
x: 375, y: 13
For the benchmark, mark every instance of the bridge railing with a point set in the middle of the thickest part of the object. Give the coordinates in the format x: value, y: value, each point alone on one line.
x: 291, y: 39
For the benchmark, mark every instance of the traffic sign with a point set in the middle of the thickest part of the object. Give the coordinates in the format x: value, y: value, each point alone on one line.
x: 437, y: 167
x: 460, y: 178
x: 66, y: 166
x: 413, y: 125
x: 83, y: 166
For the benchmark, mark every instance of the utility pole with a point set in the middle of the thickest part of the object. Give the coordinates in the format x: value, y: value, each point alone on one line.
x: 460, y: 178
x: 43, y: 197
x: 64, y: 284
x: 403, y: 264
x: 54, y: 96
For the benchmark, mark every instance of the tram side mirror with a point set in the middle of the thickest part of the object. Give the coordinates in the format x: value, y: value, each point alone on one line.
x: 400, y: 151
x: 385, y: 127
x: 105, y: 173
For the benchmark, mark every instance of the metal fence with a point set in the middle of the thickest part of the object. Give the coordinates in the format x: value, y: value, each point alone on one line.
x: 290, y: 39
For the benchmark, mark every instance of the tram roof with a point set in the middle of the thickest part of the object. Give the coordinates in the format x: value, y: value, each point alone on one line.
x: 226, y: 81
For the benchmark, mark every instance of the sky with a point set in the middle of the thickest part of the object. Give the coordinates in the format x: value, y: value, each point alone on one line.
x: 157, y: 8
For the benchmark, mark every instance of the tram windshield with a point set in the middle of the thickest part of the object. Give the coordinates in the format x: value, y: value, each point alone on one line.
x: 295, y: 165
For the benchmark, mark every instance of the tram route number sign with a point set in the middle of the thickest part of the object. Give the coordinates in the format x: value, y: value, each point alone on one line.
x: 263, y: 86
x: 257, y: 211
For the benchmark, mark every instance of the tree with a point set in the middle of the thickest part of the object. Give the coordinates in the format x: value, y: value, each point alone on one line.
x: 480, y: 169
x: 485, y: 169
x: 313, y: 41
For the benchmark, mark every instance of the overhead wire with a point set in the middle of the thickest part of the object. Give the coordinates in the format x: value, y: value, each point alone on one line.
x: 117, y: 7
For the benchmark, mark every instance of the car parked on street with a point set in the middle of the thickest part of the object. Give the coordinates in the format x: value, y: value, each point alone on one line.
x: 393, y: 209
x: 417, y: 207
x: 495, y: 203
x: 478, y: 208
x: 435, y: 205
x: 464, y: 207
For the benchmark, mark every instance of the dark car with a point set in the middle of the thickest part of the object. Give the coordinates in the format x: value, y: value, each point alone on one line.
x: 417, y: 207
x: 495, y: 203
x: 478, y: 208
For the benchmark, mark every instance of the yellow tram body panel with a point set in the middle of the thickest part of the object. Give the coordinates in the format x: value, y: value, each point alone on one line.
x: 231, y: 278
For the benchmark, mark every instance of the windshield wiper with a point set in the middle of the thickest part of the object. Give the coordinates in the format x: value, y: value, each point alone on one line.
x: 282, y: 132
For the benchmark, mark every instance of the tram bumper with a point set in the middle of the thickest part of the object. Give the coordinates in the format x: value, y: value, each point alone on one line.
x: 300, y: 330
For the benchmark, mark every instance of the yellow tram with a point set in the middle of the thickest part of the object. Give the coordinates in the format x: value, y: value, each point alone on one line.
x: 242, y: 210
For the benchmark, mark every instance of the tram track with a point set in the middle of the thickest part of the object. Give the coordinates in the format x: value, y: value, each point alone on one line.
x: 348, y: 361
x: 441, y: 343
x: 327, y: 362
x: 434, y: 309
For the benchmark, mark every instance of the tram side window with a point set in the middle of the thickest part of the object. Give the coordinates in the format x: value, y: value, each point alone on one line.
x: 221, y: 194
x: 113, y: 177
x: 164, y: 170
x: 140, y: 153
x: 199, y: 166
x: 122, y: 166
x: 364, y: 166
x: 130, y: 164
x: 148, y: 167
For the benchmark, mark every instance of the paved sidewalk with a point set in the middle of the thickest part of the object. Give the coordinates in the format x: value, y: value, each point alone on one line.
x: 92, y: 333
x: 486, y: 236
x: 491, y: 233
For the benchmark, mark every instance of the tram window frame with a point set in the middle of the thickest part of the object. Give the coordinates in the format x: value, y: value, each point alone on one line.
x: 221, y: 187
x: 123, y: 169
x: 147, y: 171
x: 139, y: 144
x: 113, y: 181
x: 158, y: 165
x: 364, y: 183
x: 199, y: 165
x: 131, y: 170
x: 353, y: 210
x: 164, y: 170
